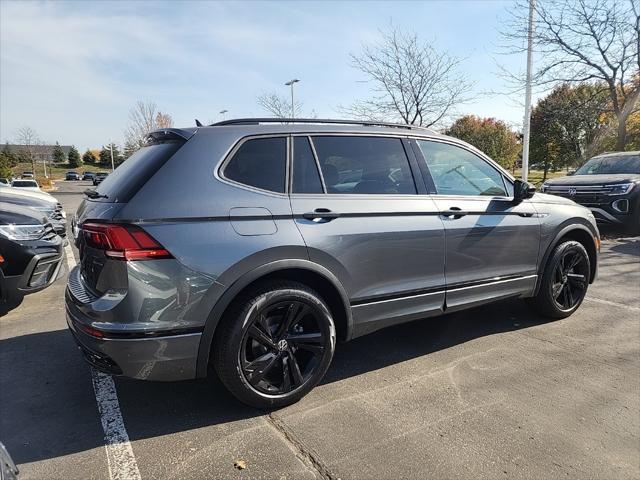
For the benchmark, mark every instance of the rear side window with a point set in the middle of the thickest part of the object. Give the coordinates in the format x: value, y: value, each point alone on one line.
x: 364, y: 165
x: 260, y: 163
x: 306, y: 178
x: 135, y: 171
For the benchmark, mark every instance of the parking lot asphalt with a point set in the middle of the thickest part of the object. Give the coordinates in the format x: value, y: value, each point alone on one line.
x: 493, y: 392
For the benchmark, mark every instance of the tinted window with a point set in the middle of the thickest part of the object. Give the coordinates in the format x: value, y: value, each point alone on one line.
x: 457, y: 171
x: 306, y: 178
x: 24, y: 183
x: 369, y: 165
x: 133, y: 173
x: 260, y: 163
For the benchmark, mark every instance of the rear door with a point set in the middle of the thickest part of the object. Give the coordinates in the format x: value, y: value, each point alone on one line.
x: 356, y: 203
x: 492, y: 243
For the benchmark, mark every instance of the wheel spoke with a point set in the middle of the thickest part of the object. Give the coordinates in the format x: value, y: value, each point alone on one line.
x: 569, y: 294
x: 295, y: 370
x: 557, y: 289
x: 295, y: 313
x: 565, y: 297
x: 300, y: 338
x: 260, y: 336
x: 258, y: 368
x: 577, y: 258
x: 286, y: 376
x: 577, y: 279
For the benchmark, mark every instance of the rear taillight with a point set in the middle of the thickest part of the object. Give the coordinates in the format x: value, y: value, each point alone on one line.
x: 123, y: 242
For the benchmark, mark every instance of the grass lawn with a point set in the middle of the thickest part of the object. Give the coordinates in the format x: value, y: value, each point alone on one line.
x: 535, y: 176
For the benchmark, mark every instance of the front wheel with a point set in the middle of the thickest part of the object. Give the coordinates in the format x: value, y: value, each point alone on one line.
x: 564, y: 282
x: 274, y: 344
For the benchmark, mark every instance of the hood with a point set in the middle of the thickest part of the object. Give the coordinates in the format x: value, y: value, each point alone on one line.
x: 604, y: 179
x: 27, y: 193
x: 17, y: 215
x: 546, y: 198
x: 27, y: 202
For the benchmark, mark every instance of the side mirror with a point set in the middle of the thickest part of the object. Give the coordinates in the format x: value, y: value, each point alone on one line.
x: 522, y: 191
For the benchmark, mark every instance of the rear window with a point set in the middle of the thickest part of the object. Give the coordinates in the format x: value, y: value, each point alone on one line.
x: 260, y: 163
x: 24, y: 183
x: 135, y: 171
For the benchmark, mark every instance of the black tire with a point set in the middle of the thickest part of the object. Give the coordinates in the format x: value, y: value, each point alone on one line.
x: 564, y: 283
x: 261, y: 352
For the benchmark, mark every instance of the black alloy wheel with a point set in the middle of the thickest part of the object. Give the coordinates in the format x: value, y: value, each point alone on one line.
x: 282, y: 347
x: 274, y: 344
x: 570, y: 279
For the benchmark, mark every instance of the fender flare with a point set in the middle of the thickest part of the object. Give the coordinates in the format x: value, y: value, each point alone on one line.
x: 236, y: 287
x: 564, y: 228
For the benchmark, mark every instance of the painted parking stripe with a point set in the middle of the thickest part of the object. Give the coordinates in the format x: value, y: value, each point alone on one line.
x: 613, y: 304
x: 120, y: 458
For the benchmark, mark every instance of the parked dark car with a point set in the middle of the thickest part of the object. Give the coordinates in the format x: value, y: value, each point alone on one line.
x: 88, y: 176
x: 30, y: 253
x: 51, y: 210
x: 72, y: 176
x: 99, y: 177
x: 293, y: 234
x: 609, y: 185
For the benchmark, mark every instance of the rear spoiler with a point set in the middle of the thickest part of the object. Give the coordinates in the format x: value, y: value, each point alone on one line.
x: 170, y: 135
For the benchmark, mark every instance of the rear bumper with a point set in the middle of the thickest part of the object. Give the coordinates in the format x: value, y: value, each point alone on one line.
x: 154, y: 357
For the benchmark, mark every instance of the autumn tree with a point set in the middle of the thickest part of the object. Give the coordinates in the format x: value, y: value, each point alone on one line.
x: 489, y: 135
x: 411, y: 81
x: 88, y: 157
x: 57, y: 154
x: 74, y: 157
x: 569, y: 126
x: 576, y: 41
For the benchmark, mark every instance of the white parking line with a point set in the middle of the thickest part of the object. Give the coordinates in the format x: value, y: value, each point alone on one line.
x: 613, y: 304
x: 120, y: 458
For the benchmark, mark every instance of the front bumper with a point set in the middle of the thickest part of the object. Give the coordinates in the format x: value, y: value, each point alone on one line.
x: 162, y: 358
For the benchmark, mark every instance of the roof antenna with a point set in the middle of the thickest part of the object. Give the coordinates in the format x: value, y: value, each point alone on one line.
x: 198, y: 124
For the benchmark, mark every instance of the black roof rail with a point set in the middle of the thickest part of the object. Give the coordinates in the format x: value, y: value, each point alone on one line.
x: 257, y: 121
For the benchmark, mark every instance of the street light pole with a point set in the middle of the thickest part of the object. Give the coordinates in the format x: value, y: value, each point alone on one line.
x: 223, y: 112
x: 527, y: 101
x: 290, y: 83
x: 111, y: 151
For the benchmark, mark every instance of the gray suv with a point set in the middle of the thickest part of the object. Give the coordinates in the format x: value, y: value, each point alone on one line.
x: 249, y: 247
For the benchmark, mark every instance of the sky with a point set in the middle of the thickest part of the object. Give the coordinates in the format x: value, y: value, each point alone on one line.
x: 73, y: 70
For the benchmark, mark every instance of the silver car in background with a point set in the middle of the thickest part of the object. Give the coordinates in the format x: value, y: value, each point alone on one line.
x: 283, y: 236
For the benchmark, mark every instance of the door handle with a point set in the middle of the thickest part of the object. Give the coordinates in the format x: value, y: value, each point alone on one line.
x: 321, y: 214
x: 453, y: 213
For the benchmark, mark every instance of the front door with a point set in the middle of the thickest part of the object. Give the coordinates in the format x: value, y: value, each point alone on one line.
x: 362, y: 218
x: 492, y: 243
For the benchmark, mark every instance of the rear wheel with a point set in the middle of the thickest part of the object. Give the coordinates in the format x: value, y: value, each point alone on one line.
x: 274, y: 344
x: 564, y: 282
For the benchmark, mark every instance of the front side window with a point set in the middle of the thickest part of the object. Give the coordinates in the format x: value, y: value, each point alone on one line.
x: 260, y: 163
x: 364, y: 165
x: 456, y: 171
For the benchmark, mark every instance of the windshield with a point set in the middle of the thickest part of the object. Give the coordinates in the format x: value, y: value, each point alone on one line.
x: 611, y: 165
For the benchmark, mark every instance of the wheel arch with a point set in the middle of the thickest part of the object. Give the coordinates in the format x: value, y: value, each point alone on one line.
x: 304, y: 271
x: 580, y: 232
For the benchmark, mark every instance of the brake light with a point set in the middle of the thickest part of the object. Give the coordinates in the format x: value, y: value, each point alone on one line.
x: 123, y: 242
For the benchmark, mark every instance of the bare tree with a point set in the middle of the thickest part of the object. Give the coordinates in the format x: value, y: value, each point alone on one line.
x: 279, y: 106
x: 584, y: 40
x: 411, y: 80
x: 28, y: 137
x: 144, y: 117
x: 164, y: 120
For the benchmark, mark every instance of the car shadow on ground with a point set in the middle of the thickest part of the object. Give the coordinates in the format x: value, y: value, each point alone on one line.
x: 50, y: 385
x: 628, y: 246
